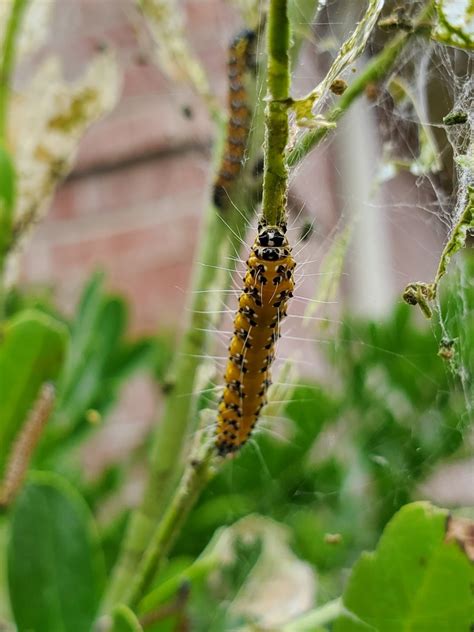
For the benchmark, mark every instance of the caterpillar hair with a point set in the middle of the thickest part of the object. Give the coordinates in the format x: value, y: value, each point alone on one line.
x: 241, y: 59
x: 268, y: 285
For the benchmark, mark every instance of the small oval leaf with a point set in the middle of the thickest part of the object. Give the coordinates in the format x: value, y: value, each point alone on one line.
x: 32, y: 348
x: 55, y: 570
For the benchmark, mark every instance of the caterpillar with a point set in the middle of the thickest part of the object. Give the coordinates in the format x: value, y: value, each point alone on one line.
x: 268, y: 285
x: 241, y: 58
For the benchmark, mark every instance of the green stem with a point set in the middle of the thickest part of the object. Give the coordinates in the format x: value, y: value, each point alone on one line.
x: 423, y: 294
x: 194, y: 479
x: 174, y: 427
x: 275, y: 178
x: 319, y: 616
x: 8, y: 60
x: 168, y: 589
x: 375, y: 70
x: 219, y: 238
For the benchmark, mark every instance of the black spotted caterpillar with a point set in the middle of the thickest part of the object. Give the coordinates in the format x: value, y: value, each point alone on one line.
x: 241, y: 59
x: 268, y: 284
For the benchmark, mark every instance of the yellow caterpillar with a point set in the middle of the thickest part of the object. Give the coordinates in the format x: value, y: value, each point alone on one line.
x: 268, y: 285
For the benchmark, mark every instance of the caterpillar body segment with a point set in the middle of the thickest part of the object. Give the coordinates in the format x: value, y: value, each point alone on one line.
x: 241, y: 59
x: 268, y: 285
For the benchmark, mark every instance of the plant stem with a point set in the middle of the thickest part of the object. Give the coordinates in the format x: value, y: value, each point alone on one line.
x: 315, y: 618
x: 275, y: 178
x: 219, y: 237
x: 195, y: 477
x: 375, y: 70
x: 165, y: 591
x: 174, y: 427
x: 8, y: 60
x: 423, y: 294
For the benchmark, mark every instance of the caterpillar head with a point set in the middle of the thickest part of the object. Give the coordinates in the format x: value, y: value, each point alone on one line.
x: 271, y: 236
x: 271, y: 242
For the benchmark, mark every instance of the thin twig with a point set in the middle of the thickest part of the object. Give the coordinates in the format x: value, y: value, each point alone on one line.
x: 423, y: 294
x: 376, y: 69
x: 195, y: 478
x: 175, y: 55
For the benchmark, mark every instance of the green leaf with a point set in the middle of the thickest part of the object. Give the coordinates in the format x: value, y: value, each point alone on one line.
x: 31, y: 352
x: 54, y: 567
x: 95, y: 336
x: 84, y: 324
x: 415, y: 580
x: 124, y: 620
x: 7, y: 200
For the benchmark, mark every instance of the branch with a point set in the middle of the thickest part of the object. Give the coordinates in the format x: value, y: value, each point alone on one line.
x: 348, y: 53
x: 375, y: 70
x: 275, y: 178
x: 175, y: 426
x: 195, y: 478
x: 165, y: 591
x: 423, y: 294
x: 174, y: 54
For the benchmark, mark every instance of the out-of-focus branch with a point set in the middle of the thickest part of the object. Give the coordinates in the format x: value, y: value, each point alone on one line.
x: 375, y: 70
x: 174, y: 55
x: 315, y: 618
x: 348, y: 53
x: 195, y: 477
x: 46, y: 125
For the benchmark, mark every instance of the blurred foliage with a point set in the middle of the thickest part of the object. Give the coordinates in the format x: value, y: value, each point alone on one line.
x: 31, y: 352
x: 341, y: 462
x: 124, y: 620
x: 332, y: 471
x: 55, y: 571
x: 98, y: 362
x: 89, y: 372
x: 351, y: 454
x: 277, y: 530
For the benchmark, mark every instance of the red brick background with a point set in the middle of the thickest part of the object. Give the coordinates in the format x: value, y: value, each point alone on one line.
x: 133, y: 202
